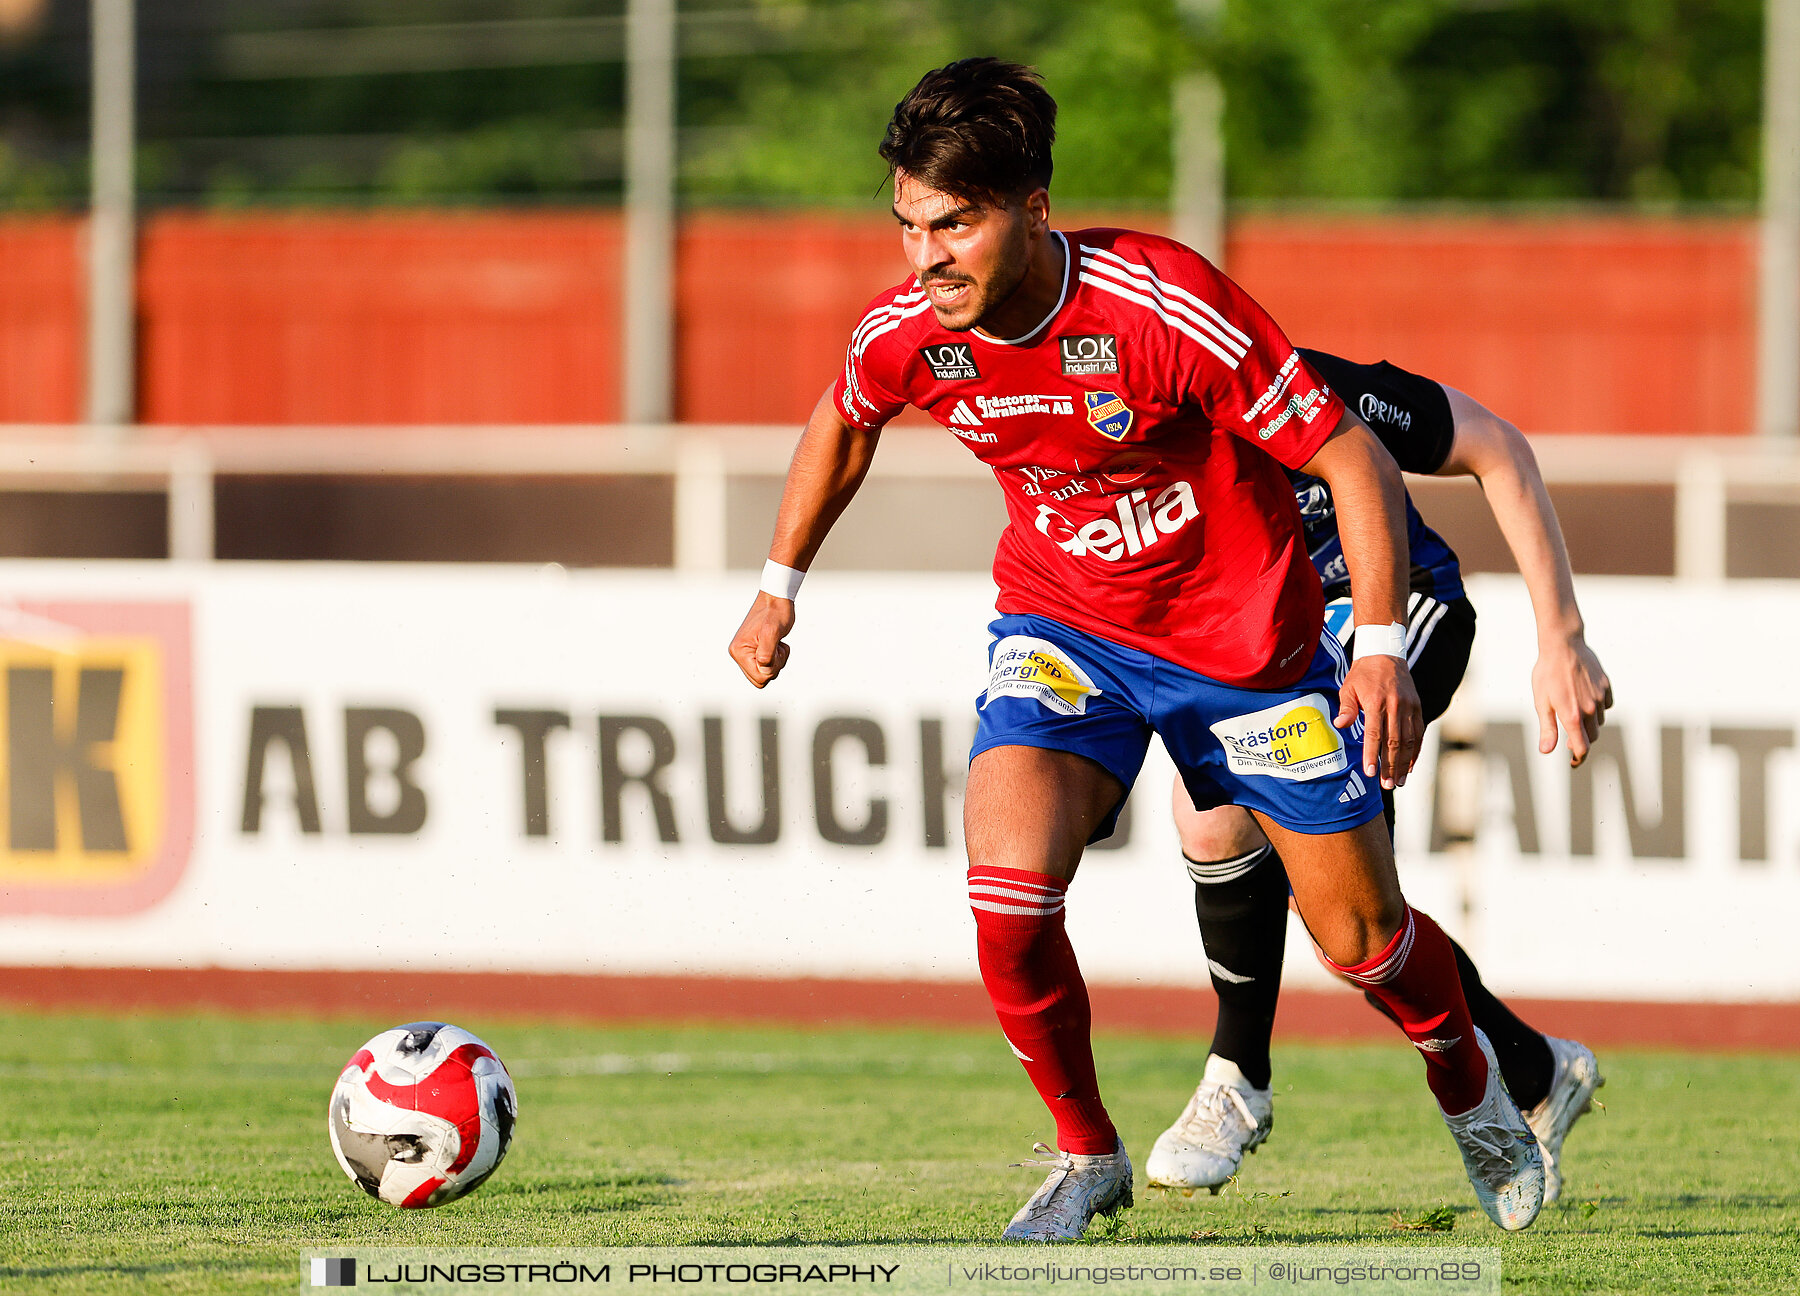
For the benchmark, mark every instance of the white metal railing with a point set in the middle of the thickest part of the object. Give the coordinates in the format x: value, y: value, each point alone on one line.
x: 702, y: 459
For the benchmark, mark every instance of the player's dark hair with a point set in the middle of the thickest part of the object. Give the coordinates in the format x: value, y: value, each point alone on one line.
x: 977, y: 128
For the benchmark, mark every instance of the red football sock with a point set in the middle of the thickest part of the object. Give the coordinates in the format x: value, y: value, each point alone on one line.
x: 1416, y: 981
x: 1031, y: 976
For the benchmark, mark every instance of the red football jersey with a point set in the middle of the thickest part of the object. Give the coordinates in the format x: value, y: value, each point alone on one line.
x: 1138, y: 434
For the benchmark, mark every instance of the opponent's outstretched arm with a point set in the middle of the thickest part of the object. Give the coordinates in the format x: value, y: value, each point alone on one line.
x: 828, y: 466
x: 1568, y: 685
x: 1371, y: 511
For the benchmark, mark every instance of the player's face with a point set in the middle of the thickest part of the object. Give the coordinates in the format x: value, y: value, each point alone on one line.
x: 969, y: 256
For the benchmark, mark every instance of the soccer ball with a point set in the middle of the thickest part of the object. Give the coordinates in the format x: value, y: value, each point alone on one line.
x: 422, y: 1114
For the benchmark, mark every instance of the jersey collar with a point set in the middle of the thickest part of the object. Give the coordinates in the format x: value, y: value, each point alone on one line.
x: 1023, y: 338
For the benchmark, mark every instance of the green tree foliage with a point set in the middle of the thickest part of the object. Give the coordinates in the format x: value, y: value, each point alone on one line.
x: 1361, y: 101
x: 1486, y: 100
x: 807, y: 127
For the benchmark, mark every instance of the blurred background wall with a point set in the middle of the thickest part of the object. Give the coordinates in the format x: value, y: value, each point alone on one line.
x: 396, y: 219
x: 554, y: 281
x: 1598, y: 324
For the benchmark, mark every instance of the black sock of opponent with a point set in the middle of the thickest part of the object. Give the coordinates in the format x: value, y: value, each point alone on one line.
x: 1242, y: 907
x: 1526, y: 1063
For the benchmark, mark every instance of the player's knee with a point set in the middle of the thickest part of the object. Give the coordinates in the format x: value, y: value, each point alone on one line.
x: 1362, y: 931
x: 1218, y: 834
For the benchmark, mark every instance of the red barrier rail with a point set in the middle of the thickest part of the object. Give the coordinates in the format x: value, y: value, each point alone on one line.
x: 1571, y: 324
x: 41, y: 315
x: 1564, y: 325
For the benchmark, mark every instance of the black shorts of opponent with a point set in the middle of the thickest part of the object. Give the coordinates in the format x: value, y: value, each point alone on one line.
x: 1439, y: 637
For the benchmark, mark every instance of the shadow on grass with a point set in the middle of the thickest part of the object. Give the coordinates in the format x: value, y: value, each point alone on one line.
x: 593, y: 1196
x: 594, y: 1183
x: 1687, y: 1201
x: 99, y: 1270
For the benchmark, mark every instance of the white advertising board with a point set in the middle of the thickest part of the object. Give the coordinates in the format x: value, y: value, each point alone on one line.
x: 506, y: 768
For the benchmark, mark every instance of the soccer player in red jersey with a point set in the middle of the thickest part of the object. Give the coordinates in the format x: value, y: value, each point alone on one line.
x: 1240, y: 890
x: 1137, y: 409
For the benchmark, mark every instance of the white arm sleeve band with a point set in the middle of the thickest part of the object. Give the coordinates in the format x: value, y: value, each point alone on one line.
x: 1380, y: 641
x: 782, y: 582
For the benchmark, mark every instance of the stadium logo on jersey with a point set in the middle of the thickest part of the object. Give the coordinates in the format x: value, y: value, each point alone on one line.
x: 1136, y: 523
x: 963, y: 421
x: 1294, y: 741
x: 99, y: 743
x: 1376, y: 410
x: 1036, y: 668
x: 1108, y: 414
x: 951, y: 361
x: 1089, y: 353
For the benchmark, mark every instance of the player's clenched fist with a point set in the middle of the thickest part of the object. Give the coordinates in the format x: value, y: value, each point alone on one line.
x: 1393, y: 722
x: 757, y: 647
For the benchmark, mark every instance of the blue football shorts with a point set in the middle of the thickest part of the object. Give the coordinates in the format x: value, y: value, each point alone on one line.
x: 1273, y: 750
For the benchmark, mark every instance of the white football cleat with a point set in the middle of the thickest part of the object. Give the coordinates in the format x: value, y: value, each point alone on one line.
x: 1079, y: 1188
x: 1226, y: 1117
x: 1500, y: 1152
x: 1571, y: 1096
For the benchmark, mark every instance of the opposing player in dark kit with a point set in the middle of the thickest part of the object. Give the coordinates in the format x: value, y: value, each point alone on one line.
x: 1240, y: 888
x: 1137, y: 409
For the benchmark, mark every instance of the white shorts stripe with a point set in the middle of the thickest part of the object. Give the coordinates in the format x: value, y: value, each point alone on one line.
x: 1336, y: 650
x: 1421, y: 632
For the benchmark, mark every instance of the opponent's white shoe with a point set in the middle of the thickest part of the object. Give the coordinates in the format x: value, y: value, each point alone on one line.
x: 1079, y: 1188
x: 1227, y: 1117
x: 1571, y: 1096
x: 1500, y: 1152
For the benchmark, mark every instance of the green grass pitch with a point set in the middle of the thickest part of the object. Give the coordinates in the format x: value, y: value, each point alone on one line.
x: 188, y: 1153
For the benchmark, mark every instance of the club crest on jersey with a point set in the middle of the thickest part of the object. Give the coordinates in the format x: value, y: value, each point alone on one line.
x: 1109, y: 414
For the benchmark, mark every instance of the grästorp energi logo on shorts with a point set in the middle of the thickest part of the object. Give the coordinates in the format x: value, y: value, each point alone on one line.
x: 1291, y: 740
x: 1109, y: 414
x: 1028, y: 667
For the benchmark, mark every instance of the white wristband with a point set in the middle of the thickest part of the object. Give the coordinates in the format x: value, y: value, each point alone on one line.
x: 782, y: 582
x: 1379, y: 641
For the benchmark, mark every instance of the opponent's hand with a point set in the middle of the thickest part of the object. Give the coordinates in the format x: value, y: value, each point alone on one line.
x: 1393, y: 723
x: 757, y: 647
x: 1568, y: 687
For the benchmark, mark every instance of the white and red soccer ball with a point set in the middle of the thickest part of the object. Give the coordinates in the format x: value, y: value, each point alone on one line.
x: 422, y: 1114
